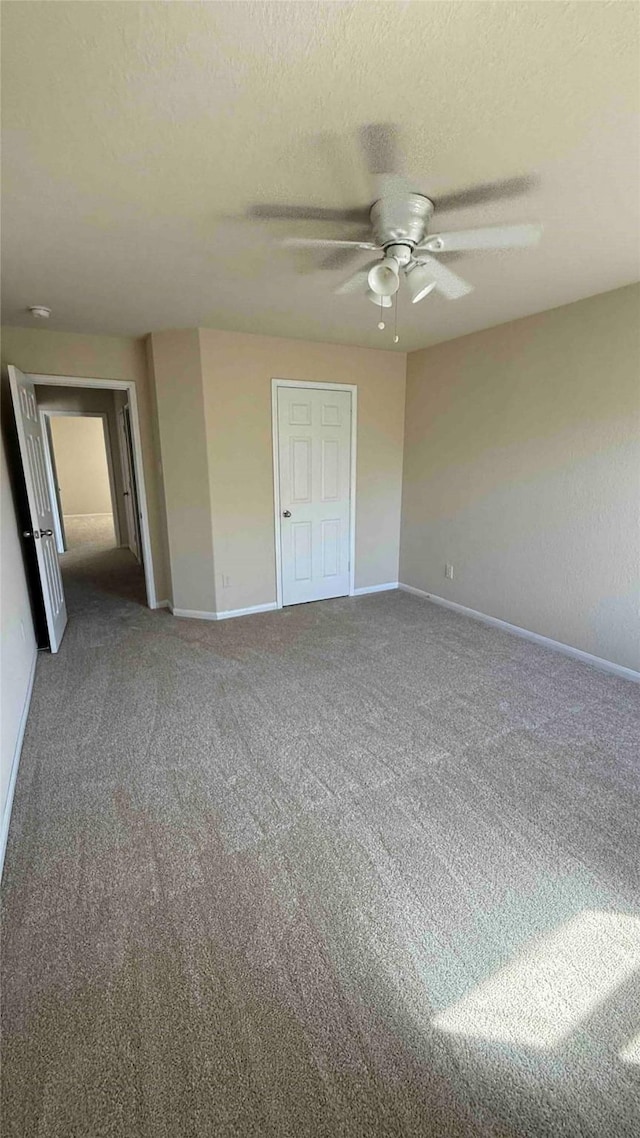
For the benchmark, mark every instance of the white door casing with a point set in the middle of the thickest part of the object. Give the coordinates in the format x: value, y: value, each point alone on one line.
x: 52, y: 478
x: 314, y: 473
x: 130, y: 496
x: 39, y: 498
x: 130, y: 388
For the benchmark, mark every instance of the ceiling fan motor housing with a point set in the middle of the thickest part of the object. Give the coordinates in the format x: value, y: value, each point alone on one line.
x: 401, y: 221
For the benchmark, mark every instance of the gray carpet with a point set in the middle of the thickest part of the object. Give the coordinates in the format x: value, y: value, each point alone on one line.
x: 358, y: 868
x: 82, y: 530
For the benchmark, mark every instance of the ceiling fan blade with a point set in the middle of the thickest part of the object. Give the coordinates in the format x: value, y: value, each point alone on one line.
x: 339, y: 258
x: 486, y: 192
x: 379, y: 143
x: 392, y: 187
x: 448, y: 283
x: 355, y: 283
x: 490, y: 237
x: 322, y: 243
x: 308, y: 213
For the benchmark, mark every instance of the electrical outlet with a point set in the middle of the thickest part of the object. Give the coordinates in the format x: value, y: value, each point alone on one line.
x: 448, y: 572
x: 226, y: 581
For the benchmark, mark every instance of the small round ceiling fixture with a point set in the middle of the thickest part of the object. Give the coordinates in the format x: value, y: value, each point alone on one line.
x: 39, y: 311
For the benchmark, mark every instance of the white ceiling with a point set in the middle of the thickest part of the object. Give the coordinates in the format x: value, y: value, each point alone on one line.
x: 137, y: 137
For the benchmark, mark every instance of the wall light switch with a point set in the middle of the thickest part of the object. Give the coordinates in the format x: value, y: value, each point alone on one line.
x: 226, y: 581
x: 448, y: 572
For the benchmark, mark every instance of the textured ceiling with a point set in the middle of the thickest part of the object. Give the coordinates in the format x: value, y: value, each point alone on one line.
x: 138, y: 137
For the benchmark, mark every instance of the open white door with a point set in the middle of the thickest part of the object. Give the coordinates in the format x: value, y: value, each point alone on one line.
x: 128, y: 478
x: 39, y: 498
x: 52, y: 479
x: 314, y: 466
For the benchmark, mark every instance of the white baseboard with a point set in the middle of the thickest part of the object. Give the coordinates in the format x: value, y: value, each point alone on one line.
x: 194, y: 614
x: 247, y: 612
x: 375, y: 588
x: 556, y: 645
x: 226, y: 614
x: 6, y: 816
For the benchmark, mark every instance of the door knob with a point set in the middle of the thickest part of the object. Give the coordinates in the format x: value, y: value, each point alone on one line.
x: 46, y: 533
x: 28, y: 533
x: 286, y: 513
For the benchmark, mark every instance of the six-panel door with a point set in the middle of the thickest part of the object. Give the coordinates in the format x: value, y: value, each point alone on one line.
x: 314, y: 456
x: 29, y: 431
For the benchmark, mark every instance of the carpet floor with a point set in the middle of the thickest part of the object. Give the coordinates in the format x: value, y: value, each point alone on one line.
x: 82, y: 530
x: 361, y: 868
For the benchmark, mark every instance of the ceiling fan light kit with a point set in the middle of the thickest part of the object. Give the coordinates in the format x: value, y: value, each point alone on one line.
x: 384, y: 277
x: 381, y: 301
x: 420, y: 282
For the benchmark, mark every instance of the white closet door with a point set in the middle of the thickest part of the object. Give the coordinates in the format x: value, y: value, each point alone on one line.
x: 314, y: 456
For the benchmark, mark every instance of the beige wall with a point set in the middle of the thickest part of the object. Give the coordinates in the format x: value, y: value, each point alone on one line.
x: 175, y: 366
x: 18, y: 646
x: 519, y: 465
x: 101, y: 357
x: 81, y: 464
x: 237, y: 370
x: 522, y: 469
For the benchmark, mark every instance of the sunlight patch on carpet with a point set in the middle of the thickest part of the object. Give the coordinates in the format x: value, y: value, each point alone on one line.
x: 542, y: 995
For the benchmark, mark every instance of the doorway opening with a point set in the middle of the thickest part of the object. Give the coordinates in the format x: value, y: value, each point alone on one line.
x: 81, y: 454
x: 89, y: 455
x: 80, y: 468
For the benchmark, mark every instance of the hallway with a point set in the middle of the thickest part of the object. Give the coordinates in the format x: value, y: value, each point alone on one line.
x: 293, y: 874
x: 93, y: 531
x: 93, y: 566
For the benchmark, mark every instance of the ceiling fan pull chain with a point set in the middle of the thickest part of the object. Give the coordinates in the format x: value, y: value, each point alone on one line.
x: 381, y: 321
x: 395, y: 320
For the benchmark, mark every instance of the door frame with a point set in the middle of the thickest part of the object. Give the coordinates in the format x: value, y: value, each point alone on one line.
x: 130, y: 388
x: 125, y: 447
x: 46, y: 415
x: 52, y: 481
x: 351, y: 387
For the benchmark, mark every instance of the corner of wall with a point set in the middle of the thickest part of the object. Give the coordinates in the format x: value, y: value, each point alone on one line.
x: 176, y: 367
x: 165, y: 593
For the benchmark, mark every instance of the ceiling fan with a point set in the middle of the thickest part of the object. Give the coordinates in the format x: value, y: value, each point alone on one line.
x: 399, y: 224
